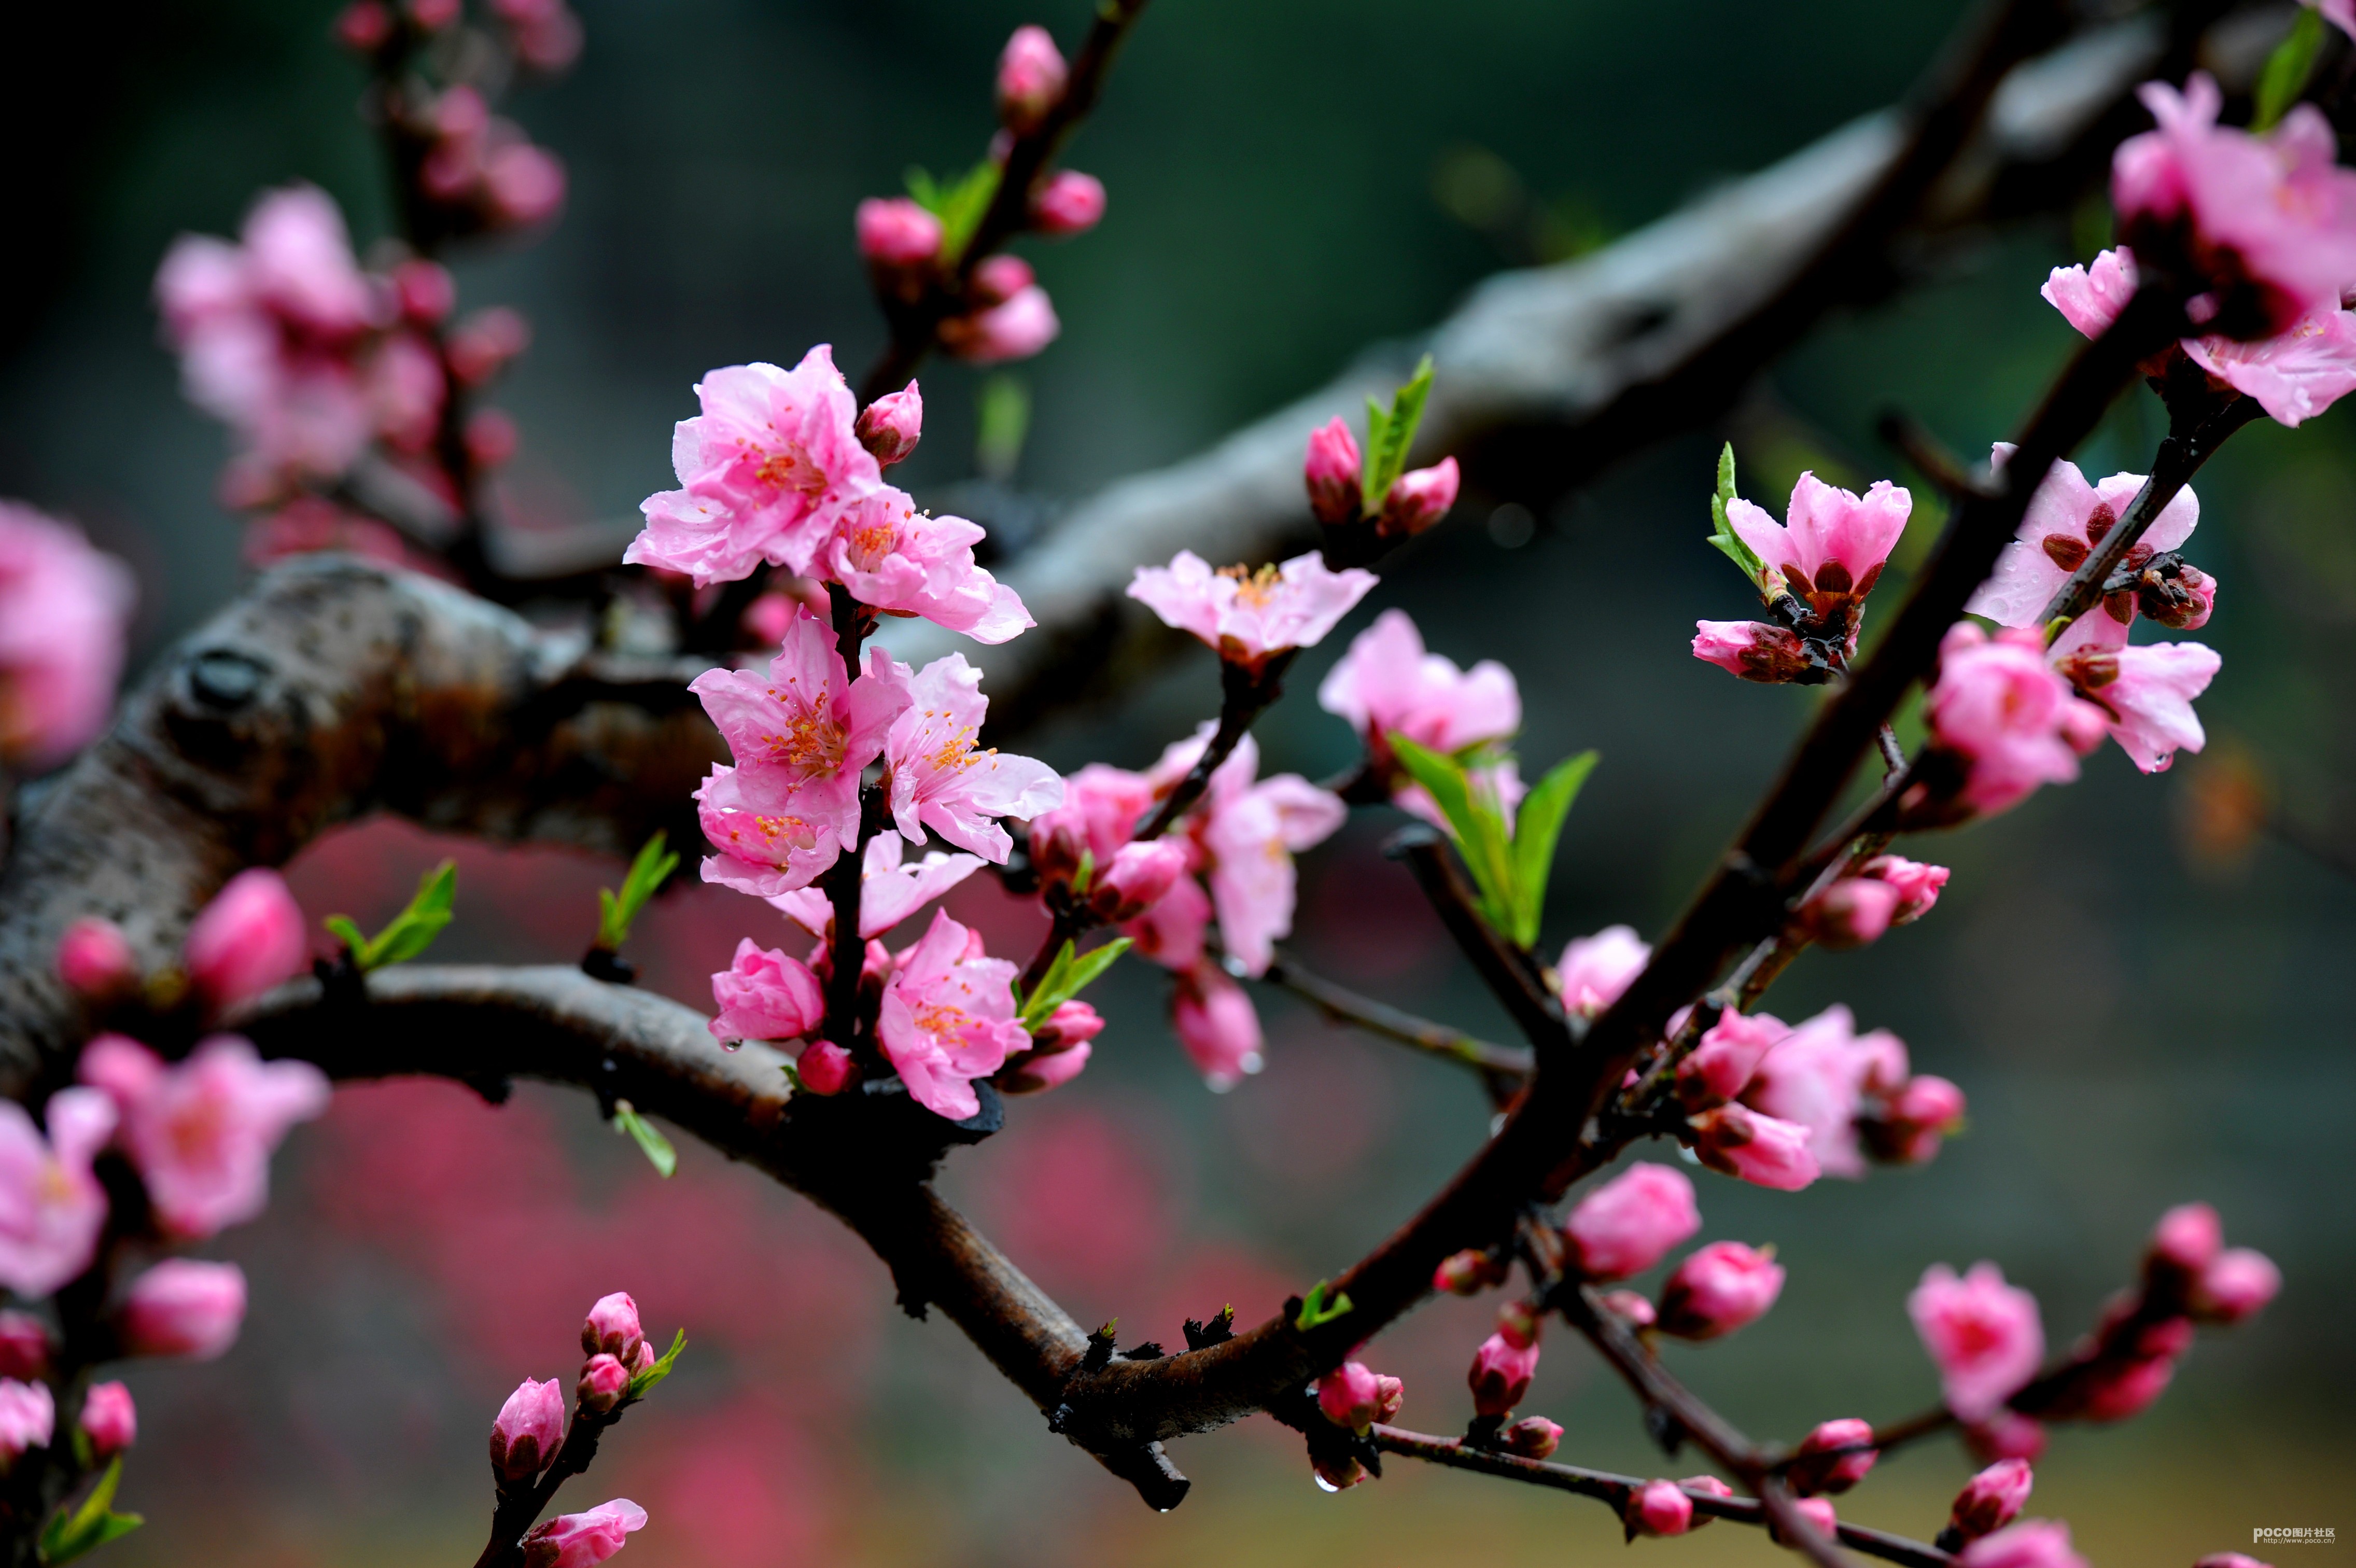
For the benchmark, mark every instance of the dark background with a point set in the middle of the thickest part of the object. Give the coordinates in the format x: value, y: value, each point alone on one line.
x: 2134, y: 1028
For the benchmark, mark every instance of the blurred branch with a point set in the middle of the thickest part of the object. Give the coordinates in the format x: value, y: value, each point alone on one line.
x: 1344, y: 1005
x: 1547, y: 377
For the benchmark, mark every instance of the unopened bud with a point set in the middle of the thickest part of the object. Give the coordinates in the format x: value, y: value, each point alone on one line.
x: 1069, y: 202
x: 1918, y: 885
x: 425, y: 290
x: 2186, y: 1241
x: 528, y: 1431
x: 1418, y: 500
x: 26, y: 1347
x: 1821, y: 1465
x: 1765, y: 1151
x: 2237, y: 1284
x: 1659, y: 1508
x: 1818, y: 1512
x: 889, y: 427
x: 1031, y: 77
x: 1351, y: 1395
x: 1852, y: 912
x: 1632, y: 1307
x: 2116, y: 1391
x: 1719, y: 1289
x: 1136, y: 879
x: 95, y: 960
x: 1629, y: 1223
x: 825, y: 1068
x: 481, y: 345
x: 894, y: 232
x: 1035, y: 1072
x: 999, y: 278
x: 247, y: 939
x: 1334, y: 472
x: 1532, y: 1437
x: 1017, y: 329
x: 1468, y: 1273
x: 612, y: 1327
x: 1991, y: 1499
x: 1722, y: 1064
x: 1710, y: 1484
x: 1753, y: 650
x: 1914, y: 1121
x: 109, y: 1420
x: 183, y: 1307
x: 1501, y: 1375
x: 604, y: 1381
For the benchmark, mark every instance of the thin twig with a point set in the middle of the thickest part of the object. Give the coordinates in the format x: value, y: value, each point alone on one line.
x: 1345, y: 1005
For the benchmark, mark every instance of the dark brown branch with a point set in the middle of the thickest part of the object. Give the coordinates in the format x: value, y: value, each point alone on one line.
x: 1508, y: 972
x: 1347, y: 1006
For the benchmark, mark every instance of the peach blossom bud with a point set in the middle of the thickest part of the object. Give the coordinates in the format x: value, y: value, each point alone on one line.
x: 1722, y: 1064
x: 604, y: 1381
x: 1719, y: 1289
x: 1629, y: 1223
x: 1468, y: 1273
x: 825, y: 1068
x: 894, y: 232
x: 1519, y: 1325
x: 1751, y: 649
x: 1069, y: 202
x: 1818, y: 1512
x: 1031, y: 77
x: 612, y: 1327
x: 1418, y: 500
x: 1350, y: 1395
x: 2007, y: 1434
x: 1820, y: 1467
x: 2031, y: 1543
x: 1072, y: 1025
x: 1136, y: 878
x: 95, y: 960
x: 491, y: 437
x: 1710, y: 1484
x: 1918, y: 885
x: 2235, y: 1285
x: 1333, y: 472
x: 1659, y: 1508
x: 1914, y: 1121
x: 363, y: 26
x: 525, y: 184
x: 1763, y: 1150
x: 2187, y: 1239
x: 1991, y: 1499
x: 583, y: 1540
x: 247, y: 939
x: 2118, y: 1391
x: 183, y: 1307
x: 425, y: 289
x: 1035, y: 1072
x: 1017, y: 329
x: 528, y: 1431
x: 1532, y: 1437
x: 108, y: 1420
x: 25, y: 1347
x: 484, y: 343
x: 997, y: 279
x: 1501, y: 1375
x: 28, y: 1418
x: 1852, y: 912
x: 1632, y: 1307
x: 889, y: 427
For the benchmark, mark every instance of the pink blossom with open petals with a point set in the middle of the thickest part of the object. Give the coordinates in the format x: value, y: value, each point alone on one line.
x: 767, y: 845
x: 1764, y: 1151
x: 1593, y: 971
x: 765, y: 996
x: 2000, y: 708
x: 905, y: 562
x: 1386, y: 683
x: 2090, y: 297
x: 183, y: 1306
x: 805, y: 723
x: 1250, y: 832
x: 889, y: 892
x: 1102, y: 807
x: 1216, y: 1025
x: 1718, y: 1289
x: 1817, y: 1075
x: 1251, y: 617
x: 2145, y: 692
x: 1751, y: 649
x: 766, y: 471
x: 937, y: 778
x: 2340, y: 13
x: 2273, y: 214
x: 1632, y: 1221
x: 51, y: 1208
x: 1171, y: 933
x: 1727, y: 1057
x: 64, y: 609
x: 1016, y: 328
x: 2067, y: 519
x: 949, y: 1018
x: 583, y: 1540
x: 2031, y: 1543
x: 1985, y: 1336
x: 1830, y: 549
x: 201, y: 1131
x: 29, y: 1417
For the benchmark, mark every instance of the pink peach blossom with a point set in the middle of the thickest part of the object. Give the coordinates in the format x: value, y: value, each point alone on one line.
x: 765, y: 996
x: 1250, y: 617
x: 1418, y: 499
x: 1915, y: 1120
x: 64, y: 609
x: 1833, y: 543
x: 1817, y: 1075
x: 2340, y: 13
x: 1718, y: 1289
x: 250, y: 938
x: 1068, y: 202
x: 2272, y: 213
x: 183, y: 1307
x: 2090, y: 297
x: 29, y: 1417
x: 2235, y: 1286
x: 1216, y: 1025
x: 528, y: 1431
x: 603, y: 1382
x: 1332, y: 471
x: 1171, y: 933
x: 1354, y: 1396
x: 2295, y: 374
x: 1918, y: 885
x: 1991, y: 1499
x: 1765, y: 1151
x: 889, y: 892
x: 2032, y: 1544
x: 1102, y: 807
x: 1659, y: 1508
x: 905, y: 562
x: 1631, y: 1222
x: 2119, y: 1390
x: 1820, y: 1464
x: 583, y: 1540
x: 2145, y: 693
x: 94, y: 959
x: 1387, y: 684
x: 613, y: 1325
x: 1852, y: 912
x: 1593, y: 971
x: 937, y: 778
x: 1501, y: 1374
x: 1248, y: 833
x: 2000, y: 708
x: 2067, y: 518
x: 1016, y: 328
x: 1031, y: 77
x: 1138, y: 877
x: 1984, y: 1335
x: 1059, y: 1049
x: 894, y: 232
x: 2187, y: 1239
x: 766, y: 471
x: 825, y: 1068
x: 1727, y: 1057
x: 51, y: 1208
x: 1753, y: 650
x: 766, y: 846
x: 949, y: 1018
x: 108, y: 1420
x: 890, y: 426
x: 1818, y: 1512
x: 201, y: 1131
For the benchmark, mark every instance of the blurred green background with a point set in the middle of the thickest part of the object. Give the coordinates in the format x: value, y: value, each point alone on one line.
x: 2135, y: 1026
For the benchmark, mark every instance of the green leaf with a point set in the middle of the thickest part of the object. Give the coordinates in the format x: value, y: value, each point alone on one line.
x: 959, y: 206
x: 1536, y: 829
x: 411, y: 931
x: 1316, y: 1311
x: 1475, y: 820
x: 1066, y: 977
x: 1389, y: 435
x: 1722, y: 532
x: 1001, y: 421
x: 653, y: 1144
x: 2289, y: 69
x: 649, y: 871
x: 91, y: 1526
x: 642, y: 1382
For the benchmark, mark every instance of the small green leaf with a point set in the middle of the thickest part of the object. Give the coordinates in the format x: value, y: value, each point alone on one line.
x: 91, y: 1526
x: 1537, y: 827
x: 411, y: 931
x: 959, y: 206
x: 1001, y: 421
x: 1389, y: 435
x: 1475, y: 821
x: 348, y: 932
x: 2289, y: 69
x: 653, y: 1144
x: 1066, y: 977
x: 1722, y: 532
x: 649, y: 871
x: 1316, y: 1311
x: 642, y: 1382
